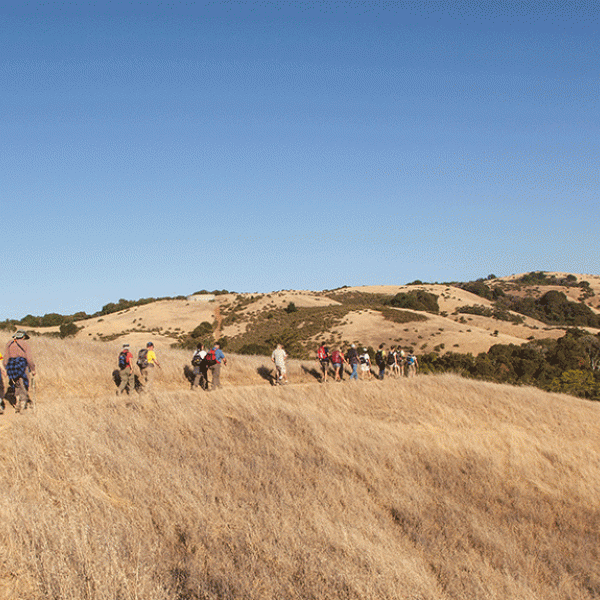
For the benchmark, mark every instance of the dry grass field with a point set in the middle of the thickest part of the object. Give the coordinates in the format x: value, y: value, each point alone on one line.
x: 432, y: 488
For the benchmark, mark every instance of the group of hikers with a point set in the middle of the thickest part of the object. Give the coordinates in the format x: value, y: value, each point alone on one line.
x: 203, y: 361
x: 20, y: 368
x: 397, y: 362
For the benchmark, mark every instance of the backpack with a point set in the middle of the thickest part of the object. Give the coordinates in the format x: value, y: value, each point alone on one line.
x: 336, y: 357
x: 379, y: 357
x: 142, y: 360
x: 363, y: 359
x: 196, y: 359
x: 391, y: 359
x: 323, y: 353
x: 211, y: 358
x: 123, y: 360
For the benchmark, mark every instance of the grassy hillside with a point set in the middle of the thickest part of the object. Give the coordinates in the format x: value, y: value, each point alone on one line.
x: 431, y: 488
x: 467, y: 317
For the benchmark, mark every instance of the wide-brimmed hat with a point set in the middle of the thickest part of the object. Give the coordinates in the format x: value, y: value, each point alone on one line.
x: 21, y: 335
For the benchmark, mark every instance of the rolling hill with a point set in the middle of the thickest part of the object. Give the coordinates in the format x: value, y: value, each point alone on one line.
x: 465, y: 322
x: 435, y: 488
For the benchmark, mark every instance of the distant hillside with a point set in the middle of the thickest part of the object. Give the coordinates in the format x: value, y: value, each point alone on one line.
x: 452, y: 326
x: 437, y: 488
x: 470, y: 316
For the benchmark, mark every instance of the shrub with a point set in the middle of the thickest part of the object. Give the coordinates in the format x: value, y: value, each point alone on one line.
x: 553, y: 308
x: 255, y: 349
x: 203, y: 330
x: 400, y: 316
x: 68, y: 329
x: 416, y: 300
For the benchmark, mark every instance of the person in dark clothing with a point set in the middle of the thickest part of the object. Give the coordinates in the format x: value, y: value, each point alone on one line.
x: 18, y: 363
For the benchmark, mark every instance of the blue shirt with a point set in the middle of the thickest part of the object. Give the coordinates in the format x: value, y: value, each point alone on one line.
x: 219, y: 354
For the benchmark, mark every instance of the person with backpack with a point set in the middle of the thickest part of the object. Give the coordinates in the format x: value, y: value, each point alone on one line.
x: 337, y: 359
x: 392, y: 361
x: 18, y: 363
x: 323, y: 360
x: 401, y: 360
x: 212, y: 361
x: 412, y: 364
x: 365, y: 365
x: 380, y: 360
x: 353, y: 360
x: 2, y: 405
x: 146, y: 362
x: 126, y: 371
x: 200, y: 376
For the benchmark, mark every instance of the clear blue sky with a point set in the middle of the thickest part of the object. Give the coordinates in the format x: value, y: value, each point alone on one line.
x: 159, y: 148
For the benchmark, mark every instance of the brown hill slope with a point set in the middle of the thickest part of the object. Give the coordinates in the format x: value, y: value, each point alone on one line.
x: 432, y: 488
x: 245, y: 318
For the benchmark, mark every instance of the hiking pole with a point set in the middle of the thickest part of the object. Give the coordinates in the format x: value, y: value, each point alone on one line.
x: 32, y: 392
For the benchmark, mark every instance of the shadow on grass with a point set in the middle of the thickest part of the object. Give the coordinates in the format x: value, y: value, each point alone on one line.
x: 267, y: 374
x: 188, y: 373
x: 116, y: 376
x: 313, y: 372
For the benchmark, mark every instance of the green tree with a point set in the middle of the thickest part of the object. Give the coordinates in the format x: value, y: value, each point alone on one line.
x: 416, y: 300
x: 203, y: 330
x: 577, y: 383
x: 68, y: 329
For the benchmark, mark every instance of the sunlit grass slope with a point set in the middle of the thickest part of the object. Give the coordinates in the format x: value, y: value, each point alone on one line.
x: 432, y: 488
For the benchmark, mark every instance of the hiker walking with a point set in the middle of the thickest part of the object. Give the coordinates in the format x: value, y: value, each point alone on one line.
x: 365, y: 365
x: 2, y: 405
x: 337, y: 358
x: 392, y: 362
x: 126, y: 371
x: 412, y: 364
x: 18, y: 362
x: 353, y: 360
x: 215, y: 358
x: 146, y: 362
x: 200, y: 375
x: 401, y: 360
x: 323, y: 360
x: 380, y: 360
x: 279, y: 357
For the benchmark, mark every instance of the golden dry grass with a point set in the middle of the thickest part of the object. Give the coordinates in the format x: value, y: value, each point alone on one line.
x: 432, y: 488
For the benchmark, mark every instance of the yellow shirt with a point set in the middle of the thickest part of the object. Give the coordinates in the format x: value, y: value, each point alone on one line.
x: 151, y: 356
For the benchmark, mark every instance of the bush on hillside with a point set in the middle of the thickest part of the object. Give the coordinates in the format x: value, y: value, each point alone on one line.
x: 481, y: 289
x: 7, y: 325
x: 401, y: 316
x: 501, y: 314
x: 205, y: 329
x: 553, y: 308
x: 554, y: 365
x: 416, y: 300
x: 68, y: 329
x: 255, y: 350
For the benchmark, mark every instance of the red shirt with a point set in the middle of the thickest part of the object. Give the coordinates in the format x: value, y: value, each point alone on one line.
x: 128, y: 357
